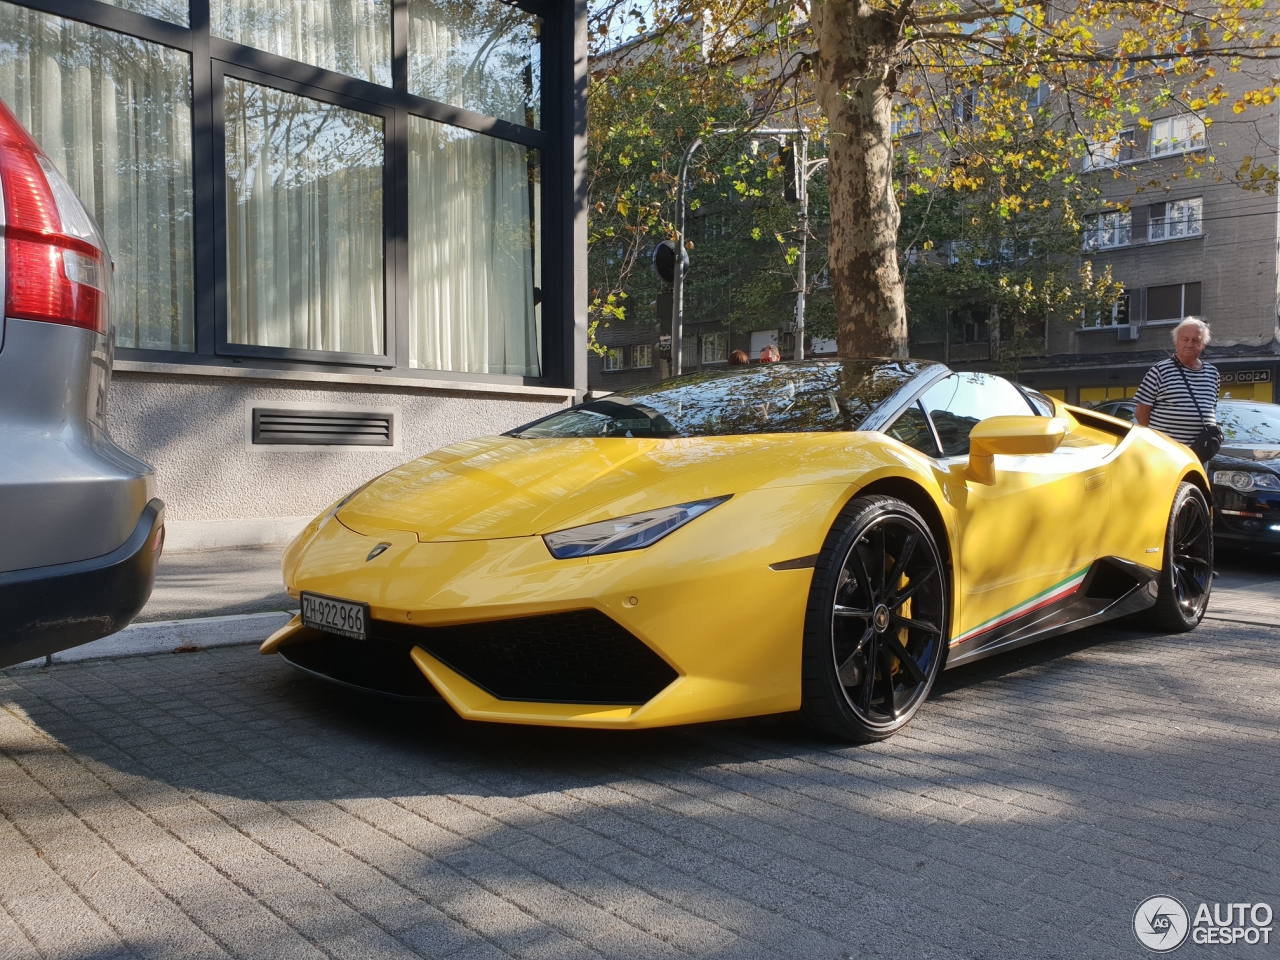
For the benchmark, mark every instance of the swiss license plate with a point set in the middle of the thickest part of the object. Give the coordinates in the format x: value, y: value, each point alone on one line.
x: 342, y: 617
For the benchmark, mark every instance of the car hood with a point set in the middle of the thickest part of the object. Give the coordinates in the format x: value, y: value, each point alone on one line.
x: 511, y: 487
x: 1268, y: 453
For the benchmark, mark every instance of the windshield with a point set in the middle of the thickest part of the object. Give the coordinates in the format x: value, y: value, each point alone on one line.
x: 800, y: 397
x: 1250, y: 422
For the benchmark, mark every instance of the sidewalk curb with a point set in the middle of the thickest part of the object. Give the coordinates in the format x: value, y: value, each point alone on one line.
x: 170, y: 636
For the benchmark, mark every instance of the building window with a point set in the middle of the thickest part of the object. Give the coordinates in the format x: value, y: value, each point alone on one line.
x: 1176, y: 218
x: 346, y: 36
x: 612, y: 360
x: 304, y: 222
x: 474, y: 262
x: 642, y: 356
x: 1173, y: 302
x: 1106, y: 230
x: 1108, y: 153
x: 964, y: 105
x: 1116, y: 316
x: 906, y: 120
x: 114, y: 115
x: 1176, y: 135
x: 483, y: 55
x: 713, y: 348
x: 353, y: 209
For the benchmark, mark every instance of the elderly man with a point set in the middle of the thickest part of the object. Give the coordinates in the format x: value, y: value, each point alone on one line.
x: 1179, y: 396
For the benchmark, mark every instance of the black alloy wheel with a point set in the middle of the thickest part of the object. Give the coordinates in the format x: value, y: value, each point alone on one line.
x: 877, y: 623
x: 1186, y: 577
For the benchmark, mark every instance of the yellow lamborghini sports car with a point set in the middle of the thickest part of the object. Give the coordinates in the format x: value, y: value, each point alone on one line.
x: 821, y: 536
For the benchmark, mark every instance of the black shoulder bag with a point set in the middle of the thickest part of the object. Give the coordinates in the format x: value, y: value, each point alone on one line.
x: 1209, y: 440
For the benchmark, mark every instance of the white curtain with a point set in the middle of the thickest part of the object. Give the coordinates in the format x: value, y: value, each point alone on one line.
x: 346, y: 36
x: 479, y: 54
x: 474, y: 265
x: 114, y: 115
x: 304, y: 222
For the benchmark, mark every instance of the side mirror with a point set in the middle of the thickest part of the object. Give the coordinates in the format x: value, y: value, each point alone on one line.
x: 1010, y: 436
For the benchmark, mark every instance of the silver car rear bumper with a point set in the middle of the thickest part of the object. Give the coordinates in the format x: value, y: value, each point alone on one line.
x: 47, y: 609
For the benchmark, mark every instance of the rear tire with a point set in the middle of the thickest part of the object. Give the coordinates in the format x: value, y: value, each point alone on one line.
x: 877, y: 623
x: 1186, y: 578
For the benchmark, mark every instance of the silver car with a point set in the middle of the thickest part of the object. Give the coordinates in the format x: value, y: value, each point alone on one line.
x: 80, y: 528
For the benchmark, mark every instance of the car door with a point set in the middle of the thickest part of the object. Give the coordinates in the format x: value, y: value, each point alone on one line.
x: 1027, y: 540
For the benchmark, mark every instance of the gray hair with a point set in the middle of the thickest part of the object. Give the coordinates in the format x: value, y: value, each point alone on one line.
x: 1198, y: 324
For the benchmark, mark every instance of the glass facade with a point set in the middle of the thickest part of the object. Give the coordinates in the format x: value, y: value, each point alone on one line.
x: 474, y: 264
x: 351, y: 37
x: 270, y: 191
x: 483, y: 55
x: 114, y: 115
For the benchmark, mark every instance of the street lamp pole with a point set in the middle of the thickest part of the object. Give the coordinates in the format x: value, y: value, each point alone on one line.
x: 677, y: 280
x: 677, y: 277
x: 803, y: 186
x: 806, y: 171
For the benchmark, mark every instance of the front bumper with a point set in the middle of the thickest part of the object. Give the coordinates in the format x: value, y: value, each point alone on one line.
x: 47, y: 609
x: 698, y: 627
x: 1247, y: 518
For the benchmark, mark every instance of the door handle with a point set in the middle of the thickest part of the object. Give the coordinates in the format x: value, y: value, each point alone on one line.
x: 1095, y: 480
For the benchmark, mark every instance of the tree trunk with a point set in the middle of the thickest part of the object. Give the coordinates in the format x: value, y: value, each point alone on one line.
x: 858, y: 51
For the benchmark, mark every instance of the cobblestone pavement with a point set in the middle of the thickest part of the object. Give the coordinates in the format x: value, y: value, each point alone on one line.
x: 217, y: 803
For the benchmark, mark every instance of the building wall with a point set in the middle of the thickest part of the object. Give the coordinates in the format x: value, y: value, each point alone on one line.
x: 1235, y: 260
x: 220, y: 490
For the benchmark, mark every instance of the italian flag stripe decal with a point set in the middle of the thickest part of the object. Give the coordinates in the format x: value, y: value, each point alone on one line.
x: 1042, y: 599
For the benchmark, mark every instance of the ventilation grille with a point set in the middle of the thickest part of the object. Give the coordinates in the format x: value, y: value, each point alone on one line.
x: 323, y: 428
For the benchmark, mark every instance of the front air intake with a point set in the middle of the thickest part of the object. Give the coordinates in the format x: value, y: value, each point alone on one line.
x: 578, y: 657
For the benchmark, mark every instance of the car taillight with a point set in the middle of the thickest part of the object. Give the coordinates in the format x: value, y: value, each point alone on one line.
x: 56, y: 267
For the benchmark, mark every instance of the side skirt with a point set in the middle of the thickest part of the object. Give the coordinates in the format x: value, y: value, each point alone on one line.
x: 1110, y: 588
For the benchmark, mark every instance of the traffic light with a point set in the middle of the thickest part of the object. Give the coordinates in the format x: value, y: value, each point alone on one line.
x: 664, y: 261
x: 790, y: 181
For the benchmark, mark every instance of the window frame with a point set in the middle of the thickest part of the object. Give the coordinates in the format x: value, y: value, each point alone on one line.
x: 1099, y: 154
x: 223, y: 70
x: 1123, y: 220
x: 1182, y: 298
x: 1165, y: 221
x: 1127, y: 297
x: 213, y: 58
x: 1179, y: 151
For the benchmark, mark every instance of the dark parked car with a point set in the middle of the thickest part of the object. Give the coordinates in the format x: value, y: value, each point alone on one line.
x: 1245, y: 473
x: 80, y: 528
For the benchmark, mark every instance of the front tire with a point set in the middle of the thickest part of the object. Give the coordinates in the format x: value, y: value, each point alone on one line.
x: 877, y: 622
x: 1186, y: 577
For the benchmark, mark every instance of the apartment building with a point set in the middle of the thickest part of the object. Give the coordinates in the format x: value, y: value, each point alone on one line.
x: 1182, y: 245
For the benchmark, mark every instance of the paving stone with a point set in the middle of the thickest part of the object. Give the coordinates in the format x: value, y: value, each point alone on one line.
x: 217, y: 804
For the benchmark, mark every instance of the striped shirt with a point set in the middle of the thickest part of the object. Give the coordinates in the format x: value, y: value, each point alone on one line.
x: 1174, y: 412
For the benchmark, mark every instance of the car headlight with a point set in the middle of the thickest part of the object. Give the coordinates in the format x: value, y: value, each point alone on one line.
x: 633, y: 532
x: 1244, y: 481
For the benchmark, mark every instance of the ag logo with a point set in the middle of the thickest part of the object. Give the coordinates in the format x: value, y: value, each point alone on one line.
x: 1161, y: 924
